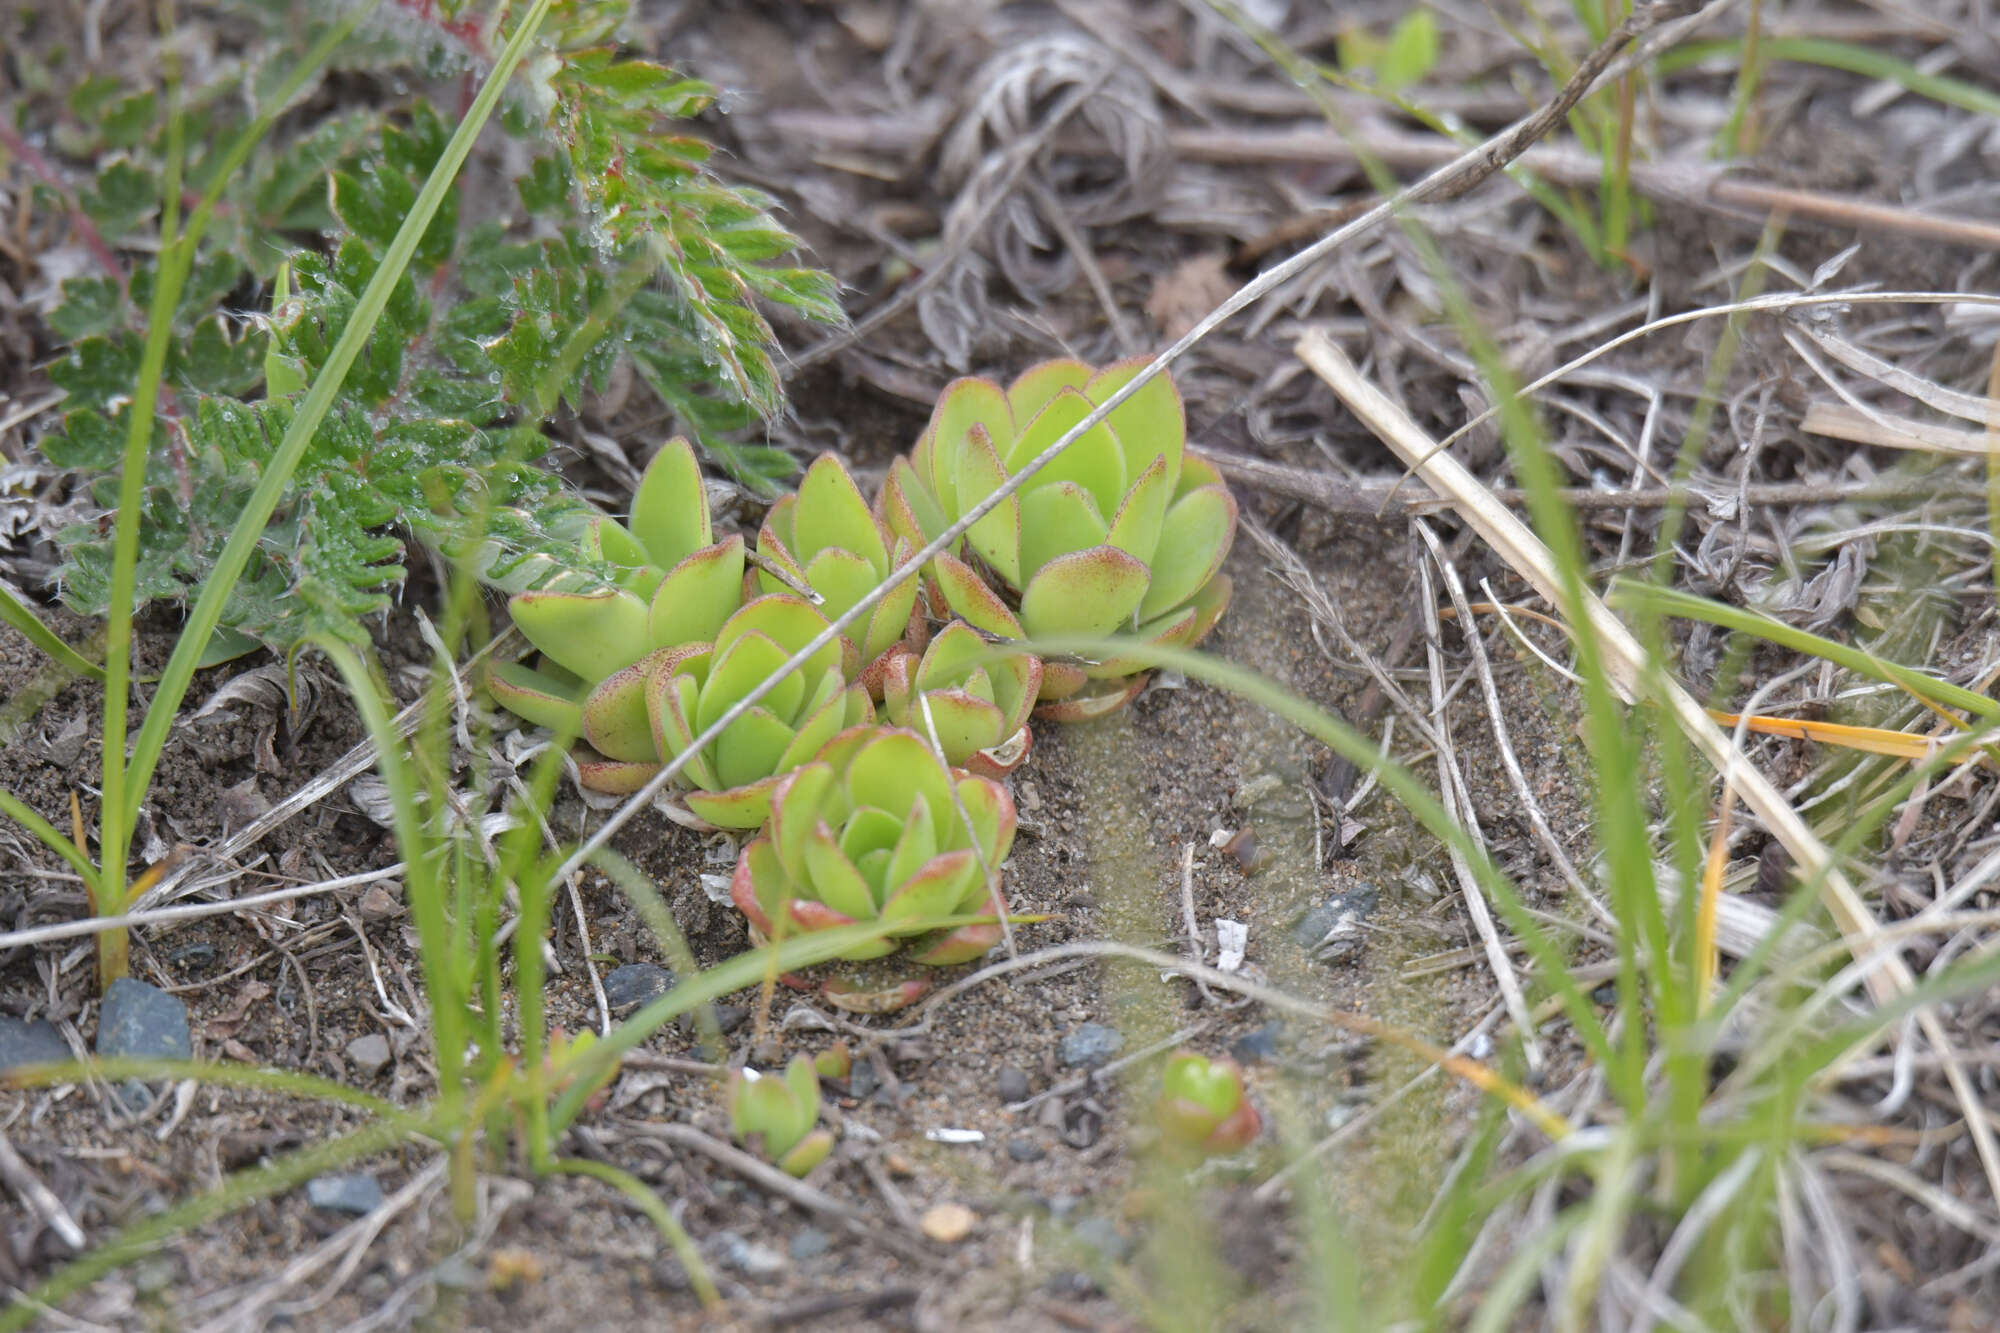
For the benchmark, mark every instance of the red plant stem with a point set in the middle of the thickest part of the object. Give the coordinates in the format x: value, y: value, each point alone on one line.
x: 93, y: 239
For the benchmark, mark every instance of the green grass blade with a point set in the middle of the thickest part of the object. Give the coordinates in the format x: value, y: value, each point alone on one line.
x: 651, y: 1205
x: 1845, y: 56
x: 444, y: 980
x: 1673, y: 602
x: 236, y: 552
x: 52, y: 838
x: 17, y: 613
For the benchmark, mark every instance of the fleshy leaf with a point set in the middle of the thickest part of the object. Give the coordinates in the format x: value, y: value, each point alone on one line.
x: 964, y: 404
x: 1057, y: 520
x: 997, y: 536
x: 614, y: 716
x: 1034, y: 387
x: 697, y: 596
x: 972, y: 600
x: 590, y: 633
x: 1151, y: 424
x: 1093, y: 460
x: 1194, y: 540
x: 539, y: 697
x: 1088, y: 592
x: 832, y: 515
x: 1136, y: 528
x: 670, y: 509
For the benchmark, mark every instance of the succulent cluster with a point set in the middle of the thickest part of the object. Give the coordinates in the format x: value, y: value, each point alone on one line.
x: 903, y: 821
x: 1124, y: 531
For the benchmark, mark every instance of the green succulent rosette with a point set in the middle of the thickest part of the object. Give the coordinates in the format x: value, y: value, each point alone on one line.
x: 1125, y: 531
x: 651, y: 711
x: 825, y: 538
x: 1203, y: 1107
x: 672, y: 583
x: 778, y: 1116
x: 977, y: 710
x: 870, y: 831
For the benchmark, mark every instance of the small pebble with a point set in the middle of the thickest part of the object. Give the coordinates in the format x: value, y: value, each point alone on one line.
x: 729, y: 1017
x: 948, y: 1223
x: 25, y: 1043
x: 144, y: 1022
x: 861, y: 1079
x: 369, y: 1054
x: 748, y: 1257
x: 1013, y: 1084
x: 1091, y: 1046
x: 810, y: 1243
x: 349, y: 1192
x: 634, y: 984
x: 1025, y: 1149
x: 378, y: 904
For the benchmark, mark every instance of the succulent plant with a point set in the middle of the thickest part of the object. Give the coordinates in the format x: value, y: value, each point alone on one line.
x: 651, y: 711
x: 977, y: 709
x: 872, y: 830
x: 777, y: 1115
x: 673, y: 584
x: 1203, y: 1107
x: 826, y: 539
x: 1124, y: 530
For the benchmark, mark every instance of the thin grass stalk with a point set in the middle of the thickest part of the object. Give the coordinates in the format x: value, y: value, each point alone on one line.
x: 424, y: 887
x: 124, y: 783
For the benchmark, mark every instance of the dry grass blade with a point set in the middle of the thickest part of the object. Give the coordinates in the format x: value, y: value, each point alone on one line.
x: 1886, y: 974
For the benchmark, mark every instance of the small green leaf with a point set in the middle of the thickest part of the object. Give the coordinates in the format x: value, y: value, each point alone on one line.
x: 123, y: 196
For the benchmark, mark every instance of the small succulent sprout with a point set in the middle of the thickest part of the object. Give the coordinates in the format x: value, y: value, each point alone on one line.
x: 1124, y: 531
x: 877, y: 829
x: 652, y: 711
x: 1203, y: 1107
x: 826, y: 539
x: 672, y: 584
x: 835, y: 1063
x: 777, y: 1116
x: 977, y: 709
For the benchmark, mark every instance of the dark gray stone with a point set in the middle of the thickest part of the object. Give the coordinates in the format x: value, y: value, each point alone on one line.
x: 1331, y: 932
x: 635, y: 984
x: 143, y: 1022
x: 1091, y: 1046
x: 729, y: 1017
x: 369, y: 1054
x: 810, y: 1243
x: 861, y: 1079
x: 1256, y: 1047
x: 1013, y: 1085
x: 25, y: 1043
x: 1025, y: 1149
x: 349, y: 1192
